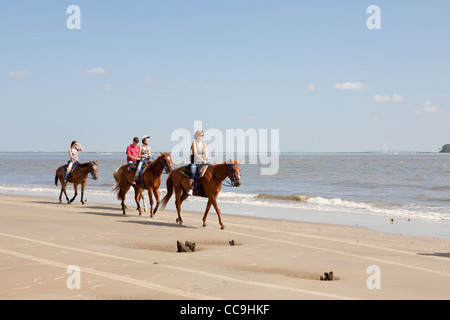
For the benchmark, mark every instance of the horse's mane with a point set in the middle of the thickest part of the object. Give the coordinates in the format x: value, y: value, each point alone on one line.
x: 84, y: 165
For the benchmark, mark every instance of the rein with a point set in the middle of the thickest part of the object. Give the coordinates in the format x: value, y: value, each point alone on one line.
x: 91, y: 170
x: 165, y: 166
x: 230, y: 173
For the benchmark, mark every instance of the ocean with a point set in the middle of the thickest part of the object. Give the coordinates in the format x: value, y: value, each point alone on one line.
x: 399, y: 193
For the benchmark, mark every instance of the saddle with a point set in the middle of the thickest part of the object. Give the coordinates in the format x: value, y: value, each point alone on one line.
x: 185, y: 171
x: 198, y: 189
x: 132, y: 167
x: 70, y: 174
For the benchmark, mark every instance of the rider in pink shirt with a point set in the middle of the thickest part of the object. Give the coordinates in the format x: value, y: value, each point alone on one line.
x: 133, y: 151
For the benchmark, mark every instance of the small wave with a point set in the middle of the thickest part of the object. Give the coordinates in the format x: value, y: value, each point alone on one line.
x: 440, y: 188
x: 299, y: 198
x: 337, y: 205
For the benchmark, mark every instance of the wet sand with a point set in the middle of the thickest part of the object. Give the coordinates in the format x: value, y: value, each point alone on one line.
x: 112, y: 256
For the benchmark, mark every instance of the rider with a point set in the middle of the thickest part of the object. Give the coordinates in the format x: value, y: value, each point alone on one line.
x: 133, y: 151
x: 144, y: 155
x: 199, y: 155
x: 75, y: 147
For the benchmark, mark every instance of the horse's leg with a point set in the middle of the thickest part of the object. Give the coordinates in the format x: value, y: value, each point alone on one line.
x: 83, y: 185
x: 156, y: 193
x: 75, y: 187
x: 150, y: 198
x: 137, y: 195
x: 143, y: 200
x: 178, y: 204
x: 184, y: 196
x: 64, y: 189
x: 122, y: 195
x: 208, y: 206
x: 214, y: 203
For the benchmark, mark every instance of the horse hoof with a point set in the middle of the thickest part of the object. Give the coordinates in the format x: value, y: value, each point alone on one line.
x: 222, y: 227
x: 179, y: 221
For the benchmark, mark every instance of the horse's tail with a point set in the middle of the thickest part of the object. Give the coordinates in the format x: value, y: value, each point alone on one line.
x: 169, y: 185
x: 56, y: 179
x: 117, y: 191
x: 116, y: 177
x: 117, y: 187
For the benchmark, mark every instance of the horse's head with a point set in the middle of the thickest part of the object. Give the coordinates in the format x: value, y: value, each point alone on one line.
x: 166, y: 161
x: 234, y: 173
x: 93, y: 168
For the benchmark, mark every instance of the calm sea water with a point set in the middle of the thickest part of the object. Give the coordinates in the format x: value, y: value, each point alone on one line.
x: 410, y: 186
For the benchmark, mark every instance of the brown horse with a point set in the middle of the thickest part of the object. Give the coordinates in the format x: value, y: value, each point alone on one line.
x: 116, y: 178
x: 211, y: 183
x: 150, y: 180
x: 79, y: 175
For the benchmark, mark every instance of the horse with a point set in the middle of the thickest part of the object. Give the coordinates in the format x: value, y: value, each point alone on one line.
x: 211, y: 184
x: 150, y: 180
x: 116, y: 176
x: 79, y: 175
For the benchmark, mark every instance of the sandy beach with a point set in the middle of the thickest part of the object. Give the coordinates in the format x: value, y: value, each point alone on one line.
x: 59, y: 251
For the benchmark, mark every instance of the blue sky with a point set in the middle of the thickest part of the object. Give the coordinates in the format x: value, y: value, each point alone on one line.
x: 311, y: 69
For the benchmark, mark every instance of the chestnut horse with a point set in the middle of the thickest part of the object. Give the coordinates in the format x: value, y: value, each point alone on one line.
x: 150, y: 180
x: 116, y: 178
x: 79, y: 175
x: 211, y: 183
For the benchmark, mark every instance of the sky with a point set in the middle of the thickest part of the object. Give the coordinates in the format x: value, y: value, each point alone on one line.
x: 312, y: 70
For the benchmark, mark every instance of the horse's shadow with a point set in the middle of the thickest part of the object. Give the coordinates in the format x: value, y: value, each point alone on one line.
x: 436, y: 254
x: 107, y: 214
x: 75, y: 203
x: 159, y: 223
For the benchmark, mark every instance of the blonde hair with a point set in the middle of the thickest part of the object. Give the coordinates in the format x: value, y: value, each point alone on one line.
x: 197, y: 133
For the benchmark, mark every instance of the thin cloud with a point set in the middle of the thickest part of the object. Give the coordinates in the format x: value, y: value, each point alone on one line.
x: 383, y: 98
x: 147, y: 79
x: 352, y: 86
x: 110, y: 88
x: 97, y: 71
x: 428, y: 107
x: 311, y: 87
x: 18, y: 74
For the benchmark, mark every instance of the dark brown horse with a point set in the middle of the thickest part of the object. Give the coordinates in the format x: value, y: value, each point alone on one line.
x: 79, y: 175
x: 211, y: 183
x: 150, y: 180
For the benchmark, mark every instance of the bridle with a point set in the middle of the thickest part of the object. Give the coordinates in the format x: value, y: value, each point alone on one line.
x: 234, y: 181
x: 231, y: 174
x: 91, y: 170
x: 167, y: 168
